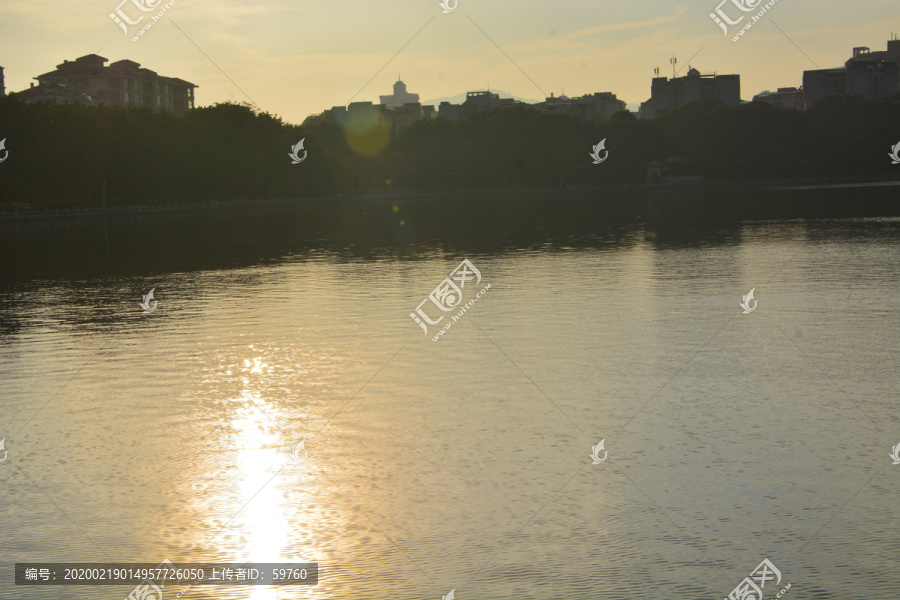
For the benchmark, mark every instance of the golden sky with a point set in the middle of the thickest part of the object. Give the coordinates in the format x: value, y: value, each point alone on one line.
x: 294, y: 58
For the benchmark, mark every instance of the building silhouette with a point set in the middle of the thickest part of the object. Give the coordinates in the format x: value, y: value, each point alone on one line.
x: 2, y: 83
x: 54, y: 92
x: 668, y: 94
x: 867, y: 73
x: 789, y: 97
x: 361, y: 115
x: 596, y: 106
x: 399, y: 98
x: 453, y: 112
x: 399, y: 116
x: 396, y: 111
x: 123, y: 83
x: 409, y: 113
x: 477, y: 102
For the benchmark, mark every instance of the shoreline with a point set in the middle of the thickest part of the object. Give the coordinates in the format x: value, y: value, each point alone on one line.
x: 780, y: 185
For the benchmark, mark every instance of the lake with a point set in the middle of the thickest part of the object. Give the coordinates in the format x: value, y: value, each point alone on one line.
x: 462, y: 463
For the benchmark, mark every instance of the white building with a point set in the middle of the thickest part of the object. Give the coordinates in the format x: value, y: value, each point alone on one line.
x: 399, y: 97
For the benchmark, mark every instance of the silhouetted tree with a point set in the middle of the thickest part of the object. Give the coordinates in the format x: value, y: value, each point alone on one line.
x: 62, y: 153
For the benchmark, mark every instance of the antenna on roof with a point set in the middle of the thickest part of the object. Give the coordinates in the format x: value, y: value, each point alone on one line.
x: 674, y: 61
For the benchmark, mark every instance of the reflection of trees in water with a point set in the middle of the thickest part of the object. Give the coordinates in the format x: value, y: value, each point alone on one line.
x: 408, y: 228
x: 59, y: 263
x: 405, y: 228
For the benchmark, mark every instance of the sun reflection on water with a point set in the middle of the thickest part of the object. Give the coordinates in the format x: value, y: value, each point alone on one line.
x: 280, y: 514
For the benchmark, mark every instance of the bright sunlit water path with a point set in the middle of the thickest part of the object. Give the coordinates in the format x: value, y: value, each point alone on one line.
x: 464, y: 463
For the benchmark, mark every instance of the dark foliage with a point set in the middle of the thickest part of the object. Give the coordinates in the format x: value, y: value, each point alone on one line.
x: 62, y: 154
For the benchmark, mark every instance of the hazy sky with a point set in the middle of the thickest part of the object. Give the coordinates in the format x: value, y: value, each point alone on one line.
x: 298, y: 57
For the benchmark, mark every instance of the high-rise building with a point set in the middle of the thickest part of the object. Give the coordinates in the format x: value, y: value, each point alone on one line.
x: 867, y: 73
x: 2, y: 83
x: 668, y: 94
x: 122, y: 83
x: 399, y: 97
x: 480, y: 101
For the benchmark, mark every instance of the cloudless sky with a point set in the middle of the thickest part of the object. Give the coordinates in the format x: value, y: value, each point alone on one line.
x: 294, y: 58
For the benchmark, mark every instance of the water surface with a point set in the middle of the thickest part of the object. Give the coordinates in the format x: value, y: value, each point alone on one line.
x: 461, y: 463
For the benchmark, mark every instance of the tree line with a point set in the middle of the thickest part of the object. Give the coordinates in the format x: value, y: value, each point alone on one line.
x: 62, y: 154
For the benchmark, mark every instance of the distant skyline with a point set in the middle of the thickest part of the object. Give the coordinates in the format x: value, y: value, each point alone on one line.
x: 461, y: 97
x: 295, y: 58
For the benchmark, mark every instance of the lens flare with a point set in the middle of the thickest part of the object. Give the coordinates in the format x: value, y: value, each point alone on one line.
x: 366, y: 131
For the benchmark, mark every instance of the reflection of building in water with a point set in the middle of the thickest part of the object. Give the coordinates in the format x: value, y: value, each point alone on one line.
x: 789, y: 97
x: 399, y: 98
x: 867, y: 73
x: 668, y: 94
x: 123, y: 83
